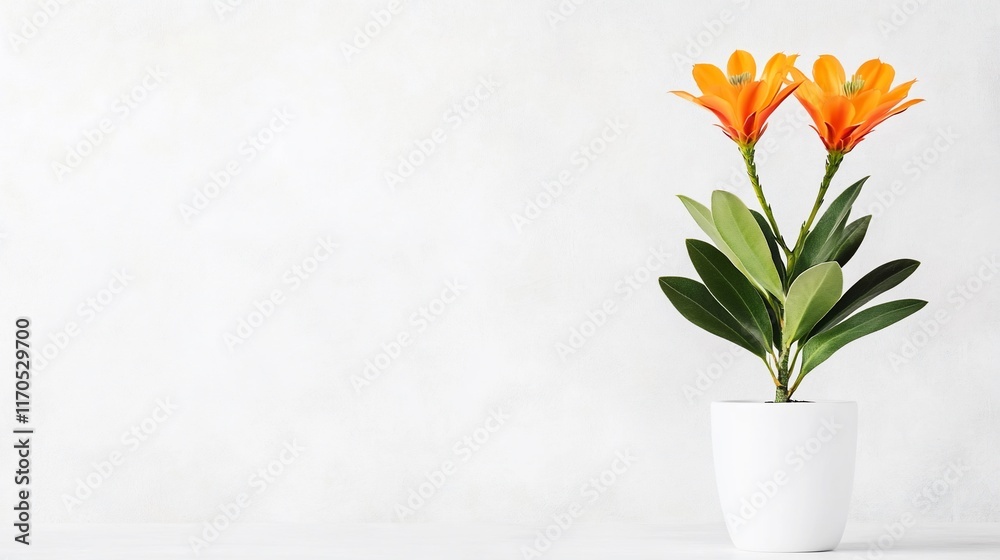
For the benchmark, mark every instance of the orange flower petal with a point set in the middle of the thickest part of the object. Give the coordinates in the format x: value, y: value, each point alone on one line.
x: 865, y: 102
x: 898, y: 93
x: 730, y: 132
x: 846, y: 133
x: 748, y: 125
x: 838, y: 112
x: 830, y: 138
x: 883, y: 109
x: 709, y: 78
x: 775, y: 73
x: 752, y: 99
x: 763, y: 115
x: 722, y: 109
x: 777, y: 67
x: 808, y: 92
x: 829, y: 74
x: 815, y: 112
x: 685, y: 95
x: 877, y: 75
x: 880, y: 116
x: 740, y: 62
x: 904, y: 107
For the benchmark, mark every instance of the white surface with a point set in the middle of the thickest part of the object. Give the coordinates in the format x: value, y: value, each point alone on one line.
x: 489, y: 542
x: 640, y: 384
x: 785, y: 472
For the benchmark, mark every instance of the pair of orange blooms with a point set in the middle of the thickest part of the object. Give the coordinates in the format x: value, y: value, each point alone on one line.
x: 843, y: 110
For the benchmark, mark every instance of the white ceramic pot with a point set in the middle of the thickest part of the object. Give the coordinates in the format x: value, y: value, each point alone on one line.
x: 785, y: 472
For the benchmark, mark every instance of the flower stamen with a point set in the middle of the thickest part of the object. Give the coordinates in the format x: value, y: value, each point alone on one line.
x: 739, y: 79
x: 853, y: 86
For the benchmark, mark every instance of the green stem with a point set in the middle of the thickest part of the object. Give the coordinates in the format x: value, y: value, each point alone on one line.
x: 833, y: 161
x: 781, y: 393
x: 747, y: 150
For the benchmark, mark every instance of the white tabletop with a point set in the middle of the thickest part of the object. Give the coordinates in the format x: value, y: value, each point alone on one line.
x: 482, y: 542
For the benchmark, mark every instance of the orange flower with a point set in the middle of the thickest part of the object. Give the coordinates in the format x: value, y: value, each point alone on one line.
x: 843, y: 110
x: 741, y: 103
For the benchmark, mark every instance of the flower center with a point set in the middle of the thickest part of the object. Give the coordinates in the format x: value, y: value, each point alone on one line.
x: 739, y: 79
x: 853, y: 86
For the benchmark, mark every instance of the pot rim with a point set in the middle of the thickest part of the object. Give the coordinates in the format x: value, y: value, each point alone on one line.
x: 746, y: 402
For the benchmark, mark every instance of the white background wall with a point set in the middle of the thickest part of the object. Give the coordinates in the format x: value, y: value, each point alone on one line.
x: 639, y: 384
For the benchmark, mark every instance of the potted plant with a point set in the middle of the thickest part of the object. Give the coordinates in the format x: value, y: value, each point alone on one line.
x: 785, y: 468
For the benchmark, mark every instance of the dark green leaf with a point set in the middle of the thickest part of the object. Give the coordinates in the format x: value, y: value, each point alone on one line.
x: 823, y: 345
x: 732, y: 289
x: 825, y: 252
x: 772, y: 244
x: 827, y: 227
x: 883, y: 278
x: 851, y: 239
x: 775, y: 326
x: 697, y: 305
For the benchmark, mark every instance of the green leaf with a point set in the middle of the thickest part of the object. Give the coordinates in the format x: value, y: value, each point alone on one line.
x: 876, y: 282
x: 703, y: 217
x: 732, y: 289
x: 697, y: 305
x: 823, y: 345
x: 810, y: 297
x: 741, y: 233
x: 772, y: 244
x: 775, y: 326
x: 850, y: 240
x: 825, y: 253
x: 828, y: 225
